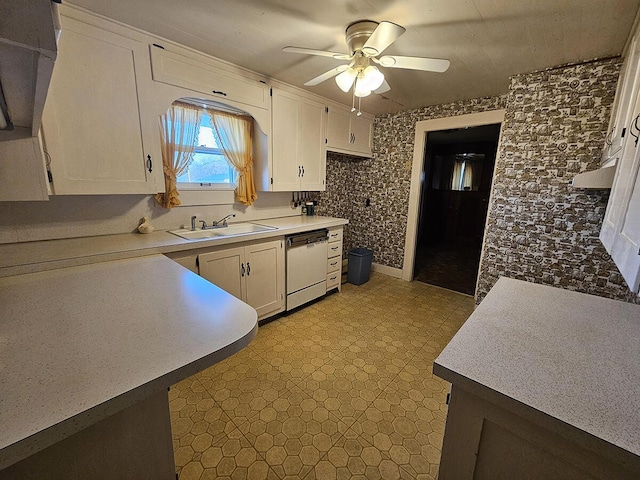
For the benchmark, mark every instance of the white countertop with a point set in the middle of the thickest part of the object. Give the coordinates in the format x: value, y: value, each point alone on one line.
x: 81, y: 343
x: 569, y: 356
x: 29, y: 257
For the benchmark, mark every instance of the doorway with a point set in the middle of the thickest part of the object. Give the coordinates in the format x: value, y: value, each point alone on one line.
x: 423, y: 128
x: 455, y: 188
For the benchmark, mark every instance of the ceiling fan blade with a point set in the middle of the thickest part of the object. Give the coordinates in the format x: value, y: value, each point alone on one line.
x: 384, y: 35
x: 326, y: 75
x: 382, y: 88
x: 321, y: 53
x: 414, y: 63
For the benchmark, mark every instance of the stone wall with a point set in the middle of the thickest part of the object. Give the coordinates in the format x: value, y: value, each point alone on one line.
x: 539, y: 228
x: 385, y: 180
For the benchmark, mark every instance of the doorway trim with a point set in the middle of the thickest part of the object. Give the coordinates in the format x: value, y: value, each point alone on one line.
x: 419, y: 144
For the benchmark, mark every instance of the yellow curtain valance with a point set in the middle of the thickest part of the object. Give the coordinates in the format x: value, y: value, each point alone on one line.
x: 234, y: 136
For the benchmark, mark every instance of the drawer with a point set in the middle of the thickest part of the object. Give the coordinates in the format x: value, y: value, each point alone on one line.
x: 333, y: 264
x: 335, y: 250
x: 335, y: 235
x: 333, y: 280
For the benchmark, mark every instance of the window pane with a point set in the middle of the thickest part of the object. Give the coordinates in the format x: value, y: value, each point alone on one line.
x: 205, y: 136
x: 208, y: 168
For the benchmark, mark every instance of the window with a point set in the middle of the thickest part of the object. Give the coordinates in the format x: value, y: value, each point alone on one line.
x: 466, y: 171
x: 209, y: 167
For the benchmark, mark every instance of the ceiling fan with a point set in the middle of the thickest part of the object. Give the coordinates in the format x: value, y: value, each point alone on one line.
x: 366, y: 40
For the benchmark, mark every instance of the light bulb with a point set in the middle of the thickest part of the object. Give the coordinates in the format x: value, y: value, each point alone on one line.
x: 346, y: 78
x: 361, y: 89
x: 373, y: 77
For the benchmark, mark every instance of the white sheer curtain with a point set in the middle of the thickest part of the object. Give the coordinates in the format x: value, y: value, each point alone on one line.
x: 456, y: 177
x: 179, y: 132
x: 467, y: 177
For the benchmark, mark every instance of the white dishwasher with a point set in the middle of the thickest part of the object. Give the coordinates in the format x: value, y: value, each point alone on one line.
x: 306, y: 267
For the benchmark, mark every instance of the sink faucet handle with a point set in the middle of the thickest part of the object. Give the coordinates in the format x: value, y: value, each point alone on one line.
x: 223, y: 221
x: 233, y: 215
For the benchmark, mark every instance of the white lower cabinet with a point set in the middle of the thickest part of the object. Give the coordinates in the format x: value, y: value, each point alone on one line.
x: 254, y: 273
x: 99, y: 130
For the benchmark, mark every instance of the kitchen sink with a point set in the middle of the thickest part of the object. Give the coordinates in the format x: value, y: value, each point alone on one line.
x: 230, y: 231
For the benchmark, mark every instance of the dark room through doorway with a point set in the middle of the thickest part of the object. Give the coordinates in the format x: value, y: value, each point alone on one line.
x: 455, y: 188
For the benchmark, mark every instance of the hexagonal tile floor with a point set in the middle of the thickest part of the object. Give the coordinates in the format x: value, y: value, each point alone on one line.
x: 342, y: 388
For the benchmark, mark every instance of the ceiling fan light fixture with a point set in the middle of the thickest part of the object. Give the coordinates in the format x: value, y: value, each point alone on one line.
x: 361, y: 89
x: 345, y: 79
x: 373, y: 77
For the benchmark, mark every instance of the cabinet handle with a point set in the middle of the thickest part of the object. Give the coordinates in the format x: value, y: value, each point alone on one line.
x: 332, y: 278
x: 218, y: 92
x: 149, y: 163
x: 248, y: 269
x: 303, y: 170
x: 299, y: 171
x: 334, y: 264
x: 635, y: 124
x: 242, y: 270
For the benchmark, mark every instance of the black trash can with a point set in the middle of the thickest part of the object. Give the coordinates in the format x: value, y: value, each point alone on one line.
x: 359, y: 266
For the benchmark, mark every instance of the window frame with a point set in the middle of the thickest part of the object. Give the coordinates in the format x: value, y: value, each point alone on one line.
x: 209, y: 186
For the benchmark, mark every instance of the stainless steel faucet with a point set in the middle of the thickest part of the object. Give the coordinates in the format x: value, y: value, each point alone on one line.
x: 193, y: 223
x: 223, y: 221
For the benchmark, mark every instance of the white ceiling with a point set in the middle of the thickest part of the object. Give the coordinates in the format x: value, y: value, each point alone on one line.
x: 487, y: 41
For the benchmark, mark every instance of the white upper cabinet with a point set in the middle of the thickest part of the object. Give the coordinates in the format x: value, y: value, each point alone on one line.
x: 99, y: 128
x: 184, y: 68
x: 620, y: 232
x: 626, y: 93
x: 348, y: 132
x: 298, y: 129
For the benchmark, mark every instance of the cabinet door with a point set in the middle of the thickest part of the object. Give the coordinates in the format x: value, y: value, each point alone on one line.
x: 361, y: 134
x: 286, y: 162
x: 198, y: 72
x: 22, y: 171
x: 339, y: 128
x: 620, y: 232
x: 97, y: 138
x: 626, y: 93
x: 265, y: 276
x: 226, y: 269
x: 313, y: 154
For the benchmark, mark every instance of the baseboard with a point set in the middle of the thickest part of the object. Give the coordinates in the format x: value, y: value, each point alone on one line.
x: 375, y: 267
x: 391, y: 271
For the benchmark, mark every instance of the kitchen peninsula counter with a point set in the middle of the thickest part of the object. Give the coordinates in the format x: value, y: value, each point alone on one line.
x: 83, y: 345
x: 545, y: 384
x: 30, y: 257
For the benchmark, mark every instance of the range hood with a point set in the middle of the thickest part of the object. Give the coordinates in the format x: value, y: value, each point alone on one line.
x: 599, y: 179
x: 27, y: 53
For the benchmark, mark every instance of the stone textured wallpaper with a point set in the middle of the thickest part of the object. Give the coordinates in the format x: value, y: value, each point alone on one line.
x: 540, y: 229
x: 384, y: 179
